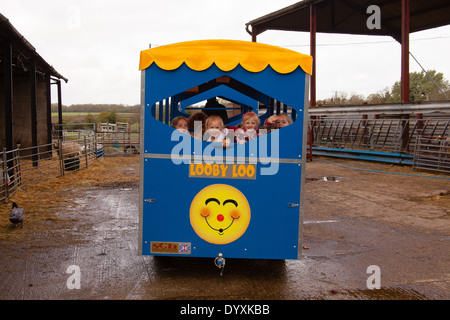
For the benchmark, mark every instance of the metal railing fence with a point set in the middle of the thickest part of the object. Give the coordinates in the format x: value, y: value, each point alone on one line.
x: 118, y: 143
x: 390, y: 135
x: 432, y: 153
x: 25, y: 166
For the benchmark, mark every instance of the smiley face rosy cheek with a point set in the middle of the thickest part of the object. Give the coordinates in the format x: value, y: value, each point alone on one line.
x: 235, y: 214
x: 204, y: 212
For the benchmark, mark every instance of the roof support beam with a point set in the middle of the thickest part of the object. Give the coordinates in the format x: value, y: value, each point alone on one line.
x: 405, y: 52
x: 312, y: 34
x: 8, y: 89
x: 405, y: 69
x: 33, y: 111
x: 60, y: 117
x: 49, y: 110
x: 254, y: 33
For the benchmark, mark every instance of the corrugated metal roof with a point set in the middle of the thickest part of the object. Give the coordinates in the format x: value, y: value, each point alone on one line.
x: 350, y: 17
x: 22, y: 47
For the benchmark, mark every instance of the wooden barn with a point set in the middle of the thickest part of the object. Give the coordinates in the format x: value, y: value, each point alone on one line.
x: 25, y: 99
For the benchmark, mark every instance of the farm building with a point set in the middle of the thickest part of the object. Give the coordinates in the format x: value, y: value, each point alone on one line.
x: 25, y: 99
x: 399, y: 18
x: 388, y: 130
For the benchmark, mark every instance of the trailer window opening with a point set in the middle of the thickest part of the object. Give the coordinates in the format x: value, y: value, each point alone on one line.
x: 228, y: 98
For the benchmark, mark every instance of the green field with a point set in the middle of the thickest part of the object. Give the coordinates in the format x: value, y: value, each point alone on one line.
x: 79, y: 114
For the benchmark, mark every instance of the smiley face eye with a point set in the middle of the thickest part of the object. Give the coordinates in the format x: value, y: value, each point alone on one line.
x: 231, y: 201
x: 213, y: 200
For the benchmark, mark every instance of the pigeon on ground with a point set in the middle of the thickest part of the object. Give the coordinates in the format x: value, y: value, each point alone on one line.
x: 17, y: 215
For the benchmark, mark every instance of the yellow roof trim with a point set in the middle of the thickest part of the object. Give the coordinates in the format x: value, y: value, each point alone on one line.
x: 226, y: 54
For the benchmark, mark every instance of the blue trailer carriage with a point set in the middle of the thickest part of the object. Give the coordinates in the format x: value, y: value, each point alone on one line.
x: 200, y: 199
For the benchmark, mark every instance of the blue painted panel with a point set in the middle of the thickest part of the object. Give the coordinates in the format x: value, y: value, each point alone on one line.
x: 273, y: 229
x: 369, y: 155
x: 220, y: 91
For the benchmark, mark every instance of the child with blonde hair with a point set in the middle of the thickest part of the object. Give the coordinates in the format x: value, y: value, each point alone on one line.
x: 215, y: 130
x: 279, y: 121
x: 248, y: 128
x: 283, y: 120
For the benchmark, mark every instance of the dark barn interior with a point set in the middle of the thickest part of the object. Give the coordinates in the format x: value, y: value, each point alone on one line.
x: 25, y: 99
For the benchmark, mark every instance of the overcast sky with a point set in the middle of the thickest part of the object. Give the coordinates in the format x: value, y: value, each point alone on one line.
x: 96, y: 43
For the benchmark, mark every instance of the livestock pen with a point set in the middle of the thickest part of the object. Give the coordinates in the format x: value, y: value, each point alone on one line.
x: 51, y: 205
x: 25, y: 166
x: 113, y: 139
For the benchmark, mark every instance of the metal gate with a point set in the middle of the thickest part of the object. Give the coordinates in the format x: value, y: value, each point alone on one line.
x: 432, y: 153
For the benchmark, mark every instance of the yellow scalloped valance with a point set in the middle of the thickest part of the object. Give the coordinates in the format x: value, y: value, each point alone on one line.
x: 226, y: 55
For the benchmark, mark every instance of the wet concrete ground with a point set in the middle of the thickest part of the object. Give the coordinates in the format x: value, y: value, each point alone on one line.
x: 399, y: 223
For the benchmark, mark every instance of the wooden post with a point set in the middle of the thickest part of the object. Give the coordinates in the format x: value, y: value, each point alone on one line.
x: 8, y: 94
x: 5, y: 175
x: 85, y: 152
x: 60, y: 118
x: 49, y: 114
x: 61, y: 159
x: 33, y: 112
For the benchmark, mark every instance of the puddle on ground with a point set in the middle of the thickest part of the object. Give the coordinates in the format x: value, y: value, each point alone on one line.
x: 325, y: 178
x: 437, y: 197
x: 319, y: 221
x: 397, y: 293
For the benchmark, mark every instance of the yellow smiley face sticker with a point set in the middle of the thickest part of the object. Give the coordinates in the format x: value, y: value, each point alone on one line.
x: 219, y: 214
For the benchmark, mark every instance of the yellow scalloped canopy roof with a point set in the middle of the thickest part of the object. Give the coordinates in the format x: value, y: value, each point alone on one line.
x: 226, y: 54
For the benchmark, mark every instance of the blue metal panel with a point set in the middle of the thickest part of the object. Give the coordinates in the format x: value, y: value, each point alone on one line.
x: 369, y: 155
x: 273, y: 230
x: 169, y: 191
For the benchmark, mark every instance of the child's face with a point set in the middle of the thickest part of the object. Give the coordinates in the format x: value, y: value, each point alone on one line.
x: 250, y: 124
x: 282, y: 122
x: 215, y: 124
x: 181, y: 125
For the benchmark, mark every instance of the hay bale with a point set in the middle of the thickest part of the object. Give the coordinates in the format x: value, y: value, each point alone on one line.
x: 50, y: 200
